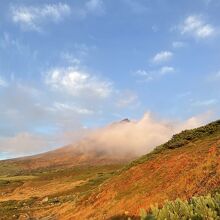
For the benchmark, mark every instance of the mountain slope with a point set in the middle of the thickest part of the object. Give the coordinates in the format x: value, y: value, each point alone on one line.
x: 187, y: 165
x: 87, y: 151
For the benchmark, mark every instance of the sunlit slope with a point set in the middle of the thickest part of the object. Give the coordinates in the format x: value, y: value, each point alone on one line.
x: 187, y: 165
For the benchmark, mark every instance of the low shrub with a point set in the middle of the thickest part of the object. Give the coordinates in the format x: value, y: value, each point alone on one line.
x: 198, y: 208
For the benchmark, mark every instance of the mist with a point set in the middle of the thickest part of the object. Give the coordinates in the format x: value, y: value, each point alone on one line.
x: 119, y: 139
x: 136, y: 137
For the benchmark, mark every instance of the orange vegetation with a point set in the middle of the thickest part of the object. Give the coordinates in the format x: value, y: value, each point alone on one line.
x: 183, y: 172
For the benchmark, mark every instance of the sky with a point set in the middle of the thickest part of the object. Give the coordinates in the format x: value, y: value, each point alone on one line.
x: 70, y: 66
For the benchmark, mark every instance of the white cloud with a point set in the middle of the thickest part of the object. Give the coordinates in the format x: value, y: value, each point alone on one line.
x: 78, y: 83
x: 32, y: 18
x: 162, y: 56
x: 194, y: 25
x: 138, y: 137
x: 64, y: 107
x: 27, y: 108
x: 167, y: 69
x: 143, y: 75
x: 155, y: 74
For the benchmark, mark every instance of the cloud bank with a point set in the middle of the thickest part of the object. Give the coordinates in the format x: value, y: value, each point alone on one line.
x: 136, y: 137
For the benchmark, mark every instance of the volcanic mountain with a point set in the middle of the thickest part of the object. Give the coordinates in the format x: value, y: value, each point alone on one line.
x: 187, y: 165
x: 88, y: 151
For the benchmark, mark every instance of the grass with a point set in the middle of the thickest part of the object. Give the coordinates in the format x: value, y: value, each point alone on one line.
x: 93, y: 176
x: 12, y: 209
x: 77, y: 173
x: 9, y: 168
x: 16, y: 178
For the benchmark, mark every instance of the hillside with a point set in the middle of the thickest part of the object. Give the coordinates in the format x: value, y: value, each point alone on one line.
x: 187, y: 165
x: 86, y: 152
x: 68, y: 156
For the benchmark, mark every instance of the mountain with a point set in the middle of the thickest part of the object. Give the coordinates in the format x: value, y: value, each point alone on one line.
x: 88, y: 151
x: 187, y: 165
x: 72, y: 155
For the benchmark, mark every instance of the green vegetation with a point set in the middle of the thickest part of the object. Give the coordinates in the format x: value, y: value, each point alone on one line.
x: 12, y: 209
x: 75, y: 185
x: 9, y: 168
x: 187, y: 136
x: 90, y: 177
x: 16, y: 178
x: 180, y: 140
x: 76, y: 173
x: 198, y: 208
x: 85, y: 188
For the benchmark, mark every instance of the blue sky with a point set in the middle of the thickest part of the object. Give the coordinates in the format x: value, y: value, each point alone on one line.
x: 66, y: 66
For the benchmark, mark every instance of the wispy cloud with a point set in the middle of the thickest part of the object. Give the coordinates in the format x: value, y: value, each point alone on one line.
x: 162, y: 56
x: 64, y: 107
x: 143, y: 75
x: 78, y: 83
x: 34, y: 17
x: 197, y: 27
x: 155, y: 74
